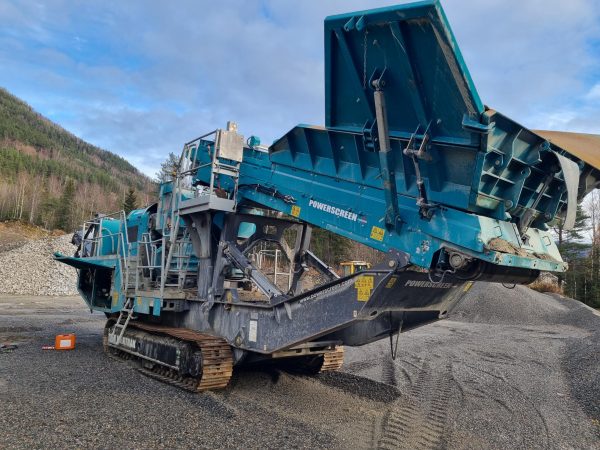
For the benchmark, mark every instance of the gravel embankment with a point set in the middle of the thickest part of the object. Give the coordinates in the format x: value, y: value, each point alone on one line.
x: 30, y: 269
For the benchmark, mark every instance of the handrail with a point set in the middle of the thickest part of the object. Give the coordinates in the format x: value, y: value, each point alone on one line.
x: 120, y: 238
x: 125, y: 249
x: 199, y: 138
x: 97, y: 239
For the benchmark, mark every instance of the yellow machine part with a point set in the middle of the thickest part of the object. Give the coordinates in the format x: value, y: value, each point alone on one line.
x: 585, y: 146
x: 350, y: 267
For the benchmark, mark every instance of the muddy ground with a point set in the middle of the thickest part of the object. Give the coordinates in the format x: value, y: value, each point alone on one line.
x: 508, y: 369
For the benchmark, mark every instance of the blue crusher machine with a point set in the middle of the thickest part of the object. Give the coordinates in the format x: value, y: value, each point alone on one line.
x: 410, y: 162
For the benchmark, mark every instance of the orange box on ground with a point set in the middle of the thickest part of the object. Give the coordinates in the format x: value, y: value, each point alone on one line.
x: 64, y: 342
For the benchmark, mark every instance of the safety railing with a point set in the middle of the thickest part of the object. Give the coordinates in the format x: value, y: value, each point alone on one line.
x: 152, y: 257
x: 148, y: 249
x: 92, y: 246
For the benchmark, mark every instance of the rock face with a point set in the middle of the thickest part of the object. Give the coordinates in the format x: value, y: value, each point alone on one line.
x: 30, y: 268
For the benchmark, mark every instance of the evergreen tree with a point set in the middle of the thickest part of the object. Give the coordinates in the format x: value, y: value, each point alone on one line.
x: 330, y: 247
x: 168, y: 168
x: 64, y: 215
x: 50, y: 205
x: 575, y: 234
x: 573, y: 252
x: 130, y: 202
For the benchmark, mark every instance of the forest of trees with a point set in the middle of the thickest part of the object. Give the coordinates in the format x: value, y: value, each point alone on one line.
x: 580, y: 247
x: 51, y: 178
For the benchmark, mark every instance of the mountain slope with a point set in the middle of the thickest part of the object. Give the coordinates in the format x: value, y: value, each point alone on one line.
x: 52, y: 178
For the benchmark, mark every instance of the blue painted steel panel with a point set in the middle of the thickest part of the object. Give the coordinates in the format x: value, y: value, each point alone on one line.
x: 424, y: 72
x: 353, y: 208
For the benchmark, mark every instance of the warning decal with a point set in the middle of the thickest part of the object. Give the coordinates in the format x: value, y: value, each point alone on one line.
x: 363, y: 286
x: 377, y: 233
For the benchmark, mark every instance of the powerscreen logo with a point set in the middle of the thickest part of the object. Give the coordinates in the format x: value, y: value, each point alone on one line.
x: 339, y: 212
x: 428, y: 284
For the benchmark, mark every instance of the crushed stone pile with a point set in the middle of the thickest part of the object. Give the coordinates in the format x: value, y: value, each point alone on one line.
x: 31, y: 270
x: 521, y: 307
x: 492, y: 303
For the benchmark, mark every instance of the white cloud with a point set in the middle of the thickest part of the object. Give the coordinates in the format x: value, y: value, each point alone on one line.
x: 140, y: 78
x: 594, y: 93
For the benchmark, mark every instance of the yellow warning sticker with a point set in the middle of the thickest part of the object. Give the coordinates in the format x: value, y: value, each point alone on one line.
x: 363, y: 294
x: 377, y: 233
x: 115, y: 298
x: 364, y: 281
x: 364, y: 286
x: 139, y: 301
x: 391, y: 282
x: 295, y: 211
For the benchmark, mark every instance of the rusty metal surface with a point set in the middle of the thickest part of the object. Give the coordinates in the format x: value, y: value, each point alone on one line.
x: 584, y: 146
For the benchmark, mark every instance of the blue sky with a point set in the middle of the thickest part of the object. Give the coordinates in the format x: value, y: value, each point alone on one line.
x: 139, y: 78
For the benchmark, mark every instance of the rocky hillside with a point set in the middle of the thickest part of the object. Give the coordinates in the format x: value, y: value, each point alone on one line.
x: 50, y: 177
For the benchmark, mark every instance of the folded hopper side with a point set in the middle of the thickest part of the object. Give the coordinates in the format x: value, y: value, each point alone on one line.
x: 471, y: 159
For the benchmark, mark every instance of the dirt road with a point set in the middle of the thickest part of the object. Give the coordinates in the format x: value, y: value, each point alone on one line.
x: 509, y: 369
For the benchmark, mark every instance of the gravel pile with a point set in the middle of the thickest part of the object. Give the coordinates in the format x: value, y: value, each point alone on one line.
x: 492, y: 303
x: 31, y: 270
x: 581, y: 362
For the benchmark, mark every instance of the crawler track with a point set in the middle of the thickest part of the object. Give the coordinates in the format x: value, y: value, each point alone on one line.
x: 217, y: 358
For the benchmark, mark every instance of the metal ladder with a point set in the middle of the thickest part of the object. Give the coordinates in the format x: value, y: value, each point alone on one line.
x: 224, y: 146
x: 181, y: 257
x: 125, y: 316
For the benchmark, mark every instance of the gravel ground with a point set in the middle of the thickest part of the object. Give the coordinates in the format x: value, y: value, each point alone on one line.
x: 28, y: 268
x: 508, y: 369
